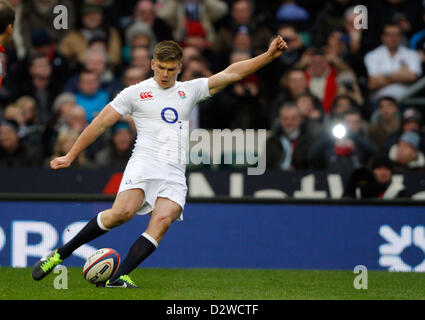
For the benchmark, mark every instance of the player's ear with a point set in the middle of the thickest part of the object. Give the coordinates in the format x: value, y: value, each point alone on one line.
x: 152, y: 63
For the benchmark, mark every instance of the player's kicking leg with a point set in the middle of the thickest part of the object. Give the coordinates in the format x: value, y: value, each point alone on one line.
x: 124, y: 208
x: 165, y: 212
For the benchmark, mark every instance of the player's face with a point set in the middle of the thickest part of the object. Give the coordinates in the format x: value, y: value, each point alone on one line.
x: 165, y: 72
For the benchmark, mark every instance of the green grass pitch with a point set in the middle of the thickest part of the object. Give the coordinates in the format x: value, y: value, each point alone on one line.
x: 217, y: 284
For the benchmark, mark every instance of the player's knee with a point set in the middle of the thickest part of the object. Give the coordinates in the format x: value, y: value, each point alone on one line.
x: 164, y: 222
x: 122, y: 214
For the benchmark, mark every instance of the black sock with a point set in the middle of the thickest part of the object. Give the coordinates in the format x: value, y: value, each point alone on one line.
x: 139, y: 251
x: 91, y: 230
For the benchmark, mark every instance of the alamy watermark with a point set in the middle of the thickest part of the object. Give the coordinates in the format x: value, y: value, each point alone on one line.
x: 360, y: 282
x: 60, y: 22
x: 60, y: 282
x: 361, y: 19
x: 243, y: 148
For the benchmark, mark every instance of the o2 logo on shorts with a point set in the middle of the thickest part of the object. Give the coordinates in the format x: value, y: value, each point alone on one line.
x: 169, y: 115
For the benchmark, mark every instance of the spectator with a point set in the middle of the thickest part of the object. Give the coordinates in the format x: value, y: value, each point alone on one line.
x: 340, y: 106
x: 30, y: 130
x: 391, y: 66
x: 244, y: 105
x: 290, y: 12
x: 376, y: 182
x: 43, y: 45
x: 76, y: 42
x: 241, y: 15
x: 411, y: 120
x: 96, y: 60
x: 75, y: 119
x: 12, y: 112
x: 197, y: 37
x: 348, y: 85
x: 387, y: 122
x: 408, y: 15
x: 346, y: 44
x: 63, y: 103
x: 361, y: 184
x: 287, y: 146
x: 34, y: 14
x: 190, y: 52
x: 321, y: 77
x: 355, y: 123
x: 138, y: 35
x: 141, y: 59
x: 64, y: 142
x: 242, y: 40
x: 13, y: 151
x: 328, y: 19
x: 145, y: 12
x: 383, y: 169
x: 335, y: 50
x: 345, y: 68
x: 296, y: 47
x: 133, y: 75
x: 307, y: 103
x: 177, y: 14
x: 197, y: 68
x: 292, y: 84
x: 90, y: 96
x: 348, y: 151
x: 331, y: 17
x: 40, y: 86
x: 357, y: 42
x: 406, y: 152
x: 116, y: 154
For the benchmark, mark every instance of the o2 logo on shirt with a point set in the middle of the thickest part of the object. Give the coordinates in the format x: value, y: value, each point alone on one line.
x: 169, y: 115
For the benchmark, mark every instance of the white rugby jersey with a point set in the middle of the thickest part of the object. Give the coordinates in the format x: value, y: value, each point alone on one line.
x: 162, y: 118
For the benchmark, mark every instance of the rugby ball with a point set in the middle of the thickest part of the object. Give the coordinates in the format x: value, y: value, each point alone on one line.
x: 101, y: 265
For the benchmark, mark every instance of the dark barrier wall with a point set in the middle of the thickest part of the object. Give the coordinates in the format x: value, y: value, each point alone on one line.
x: 207, y: 183
x: 226, y: 235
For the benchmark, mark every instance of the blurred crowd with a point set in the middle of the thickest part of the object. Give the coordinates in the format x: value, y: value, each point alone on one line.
x: 334, y: 72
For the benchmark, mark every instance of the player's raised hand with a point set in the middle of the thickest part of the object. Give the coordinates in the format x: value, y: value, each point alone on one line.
x: 60, y: 163
x: 277, y: 47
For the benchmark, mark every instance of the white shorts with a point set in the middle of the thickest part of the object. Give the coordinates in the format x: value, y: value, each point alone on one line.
x: 154, y: 188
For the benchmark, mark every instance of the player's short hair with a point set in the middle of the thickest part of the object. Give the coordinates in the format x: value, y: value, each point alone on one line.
x: 7, y: 15
x: 167, y: 50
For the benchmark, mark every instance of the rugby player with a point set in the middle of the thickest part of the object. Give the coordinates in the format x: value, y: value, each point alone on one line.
x: 154, y: 179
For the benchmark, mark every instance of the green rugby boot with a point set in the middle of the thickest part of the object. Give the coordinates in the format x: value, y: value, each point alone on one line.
x: 45, y: 265
x: 122, y: 282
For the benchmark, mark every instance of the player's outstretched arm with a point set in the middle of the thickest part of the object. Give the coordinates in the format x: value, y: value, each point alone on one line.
x: 106, y: 118
x: 239, y: 70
